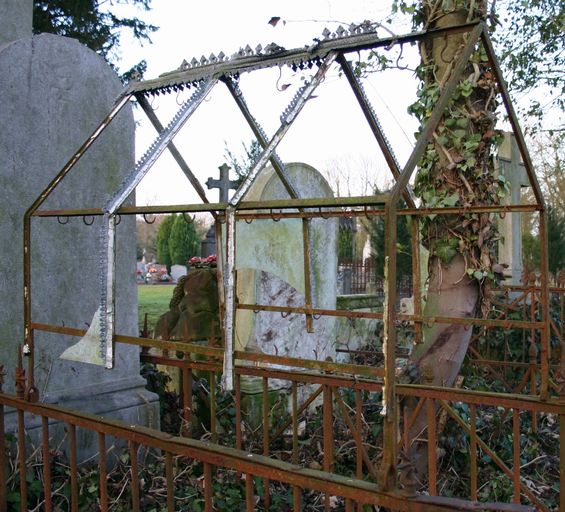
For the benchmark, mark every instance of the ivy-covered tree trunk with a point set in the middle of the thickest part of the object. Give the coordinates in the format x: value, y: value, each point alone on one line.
x: 457, y: 170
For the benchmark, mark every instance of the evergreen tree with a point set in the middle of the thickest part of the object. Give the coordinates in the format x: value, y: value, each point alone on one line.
x: 376, y: 230
x: 162, y: 242
x: 91, y: 24
x: 183, y: 241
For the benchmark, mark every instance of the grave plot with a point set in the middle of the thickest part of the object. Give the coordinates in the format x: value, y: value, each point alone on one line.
x: 282, y: 422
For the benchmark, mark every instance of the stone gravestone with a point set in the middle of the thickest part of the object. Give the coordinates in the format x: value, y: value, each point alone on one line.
x: 54, y: 93
x: 177, y: 271
x: 510, y: 248
x: 270, y: 270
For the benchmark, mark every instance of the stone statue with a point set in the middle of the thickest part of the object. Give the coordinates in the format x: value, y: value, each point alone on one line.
x: 194, y: 309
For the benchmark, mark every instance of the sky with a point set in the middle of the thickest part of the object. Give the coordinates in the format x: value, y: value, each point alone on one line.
x: 331, y: 133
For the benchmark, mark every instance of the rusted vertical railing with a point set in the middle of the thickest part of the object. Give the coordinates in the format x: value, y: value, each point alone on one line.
x: 71, y: 432
x: 294, y: 394
x: 358, y: 437
x: 46, y: 463
x: 266, y: 482
x: 249, y: 494
x: 102, y: 472
x: 432, y: 451
x: 213, y: 418
x: 296, y: 493
x: 473, y: 449
x: 516, y: 454
x: 186, y: 375
x: 237, y: 391
x: 22, y: 461
x: 328, y: 436
x: 169, y: 478
x: 134, y: 470
x: 208, y: 505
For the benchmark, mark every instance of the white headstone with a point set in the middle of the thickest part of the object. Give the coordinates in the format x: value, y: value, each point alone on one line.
x: 510, y: 227
x: 269, y: 261
x: 177, y: 271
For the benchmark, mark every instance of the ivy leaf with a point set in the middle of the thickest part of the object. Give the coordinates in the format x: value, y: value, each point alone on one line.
x: 451, y: 200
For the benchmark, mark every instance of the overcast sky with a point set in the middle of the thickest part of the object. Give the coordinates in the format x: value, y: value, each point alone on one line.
x: 331, y: 133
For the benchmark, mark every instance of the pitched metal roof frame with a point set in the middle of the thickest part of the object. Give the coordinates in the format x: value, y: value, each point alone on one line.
x: 249, y: 60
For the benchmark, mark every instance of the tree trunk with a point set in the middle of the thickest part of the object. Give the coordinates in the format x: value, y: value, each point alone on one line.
x: 456, y: 171
x: 451, y: 293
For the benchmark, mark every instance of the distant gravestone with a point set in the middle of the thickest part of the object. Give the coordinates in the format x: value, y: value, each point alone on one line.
x: 510, y: 227
x: 177, y: 271
x: 54, y: 93
x: 269, y: 262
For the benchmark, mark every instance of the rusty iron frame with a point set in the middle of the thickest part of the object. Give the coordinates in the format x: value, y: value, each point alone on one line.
x: 329, y: 376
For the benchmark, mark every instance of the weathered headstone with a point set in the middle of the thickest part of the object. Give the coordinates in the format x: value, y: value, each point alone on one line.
x: 54, y: 92
x: 177, y: 271
x: 510, y: 247
x: 269, y: 262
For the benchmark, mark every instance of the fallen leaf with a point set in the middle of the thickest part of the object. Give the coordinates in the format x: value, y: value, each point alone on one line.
x: 274, y: 20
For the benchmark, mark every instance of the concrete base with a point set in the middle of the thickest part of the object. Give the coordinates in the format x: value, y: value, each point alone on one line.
x: 133, y: 405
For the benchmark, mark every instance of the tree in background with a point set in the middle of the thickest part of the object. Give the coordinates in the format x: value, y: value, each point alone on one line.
x: 548, y: 154
x: 184, y: 242
x: 532, y: 41
x: 94, y: 26
x: 242, y: 164
x: 162, y: 241
x: 146, y: 236
x: 376, y: 230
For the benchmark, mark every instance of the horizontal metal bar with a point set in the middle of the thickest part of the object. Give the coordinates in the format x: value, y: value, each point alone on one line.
x: 353, y: 369
x: 310, y: 311
x: 179, y: 346
x: 509, y: 364
x: 356, y: 202
x: 486, y: 322
x: 483, y: 398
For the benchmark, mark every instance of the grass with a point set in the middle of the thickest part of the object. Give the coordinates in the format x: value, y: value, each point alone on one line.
x: 154, y: 300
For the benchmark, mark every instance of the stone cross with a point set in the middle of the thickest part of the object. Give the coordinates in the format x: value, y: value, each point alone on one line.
x: 224, y: 184
x: 511, y: 166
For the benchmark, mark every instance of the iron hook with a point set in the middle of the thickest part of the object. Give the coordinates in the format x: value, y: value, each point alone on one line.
x: 273, y: 216
x: 146, y: 221
x: 61, y: 222
x: 188, y: 219
x: 88, y: 223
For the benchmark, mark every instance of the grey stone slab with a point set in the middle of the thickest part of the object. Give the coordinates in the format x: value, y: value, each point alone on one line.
x: 55, y: 92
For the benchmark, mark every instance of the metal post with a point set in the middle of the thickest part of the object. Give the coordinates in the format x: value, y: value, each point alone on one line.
x: 229, y: 293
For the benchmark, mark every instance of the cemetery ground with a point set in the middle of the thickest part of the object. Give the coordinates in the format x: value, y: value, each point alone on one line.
x: 153, y: 301
x: 539, y: 435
